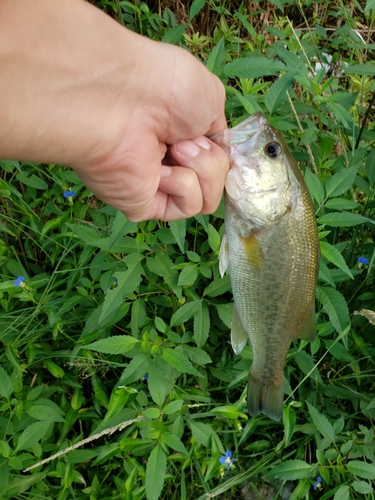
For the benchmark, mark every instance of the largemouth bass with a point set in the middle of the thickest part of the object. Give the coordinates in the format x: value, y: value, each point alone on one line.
x: 272, y: 251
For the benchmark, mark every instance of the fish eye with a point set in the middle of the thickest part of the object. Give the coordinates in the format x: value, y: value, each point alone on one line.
x: 273, y: 149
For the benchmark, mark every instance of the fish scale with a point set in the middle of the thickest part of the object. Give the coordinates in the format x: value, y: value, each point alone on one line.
x: 271, y: 249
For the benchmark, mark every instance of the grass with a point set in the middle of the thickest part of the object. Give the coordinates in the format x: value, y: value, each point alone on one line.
x: 121, y: 323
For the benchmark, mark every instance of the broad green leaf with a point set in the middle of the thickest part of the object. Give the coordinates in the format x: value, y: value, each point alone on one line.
x: 321, y: 422
x: 276, y: 94
x: 6, y: 384
x: 307, y: 365
x: 31, y: 435
x: 360, y: 69
x: 370, y: 6
x: 137, y: 367
x: 178, y: 229
x: 188, y: 275
x: 289, y: 421
x: 225, y: 312
x: 93, y: 321
x: 121, y: 226
x: 335, y: 306
x: 325, y: 274
x: 213, y: 238
x: 341, y: 204
x: 201, y: 432
x: 215, y: 59
x: 253, y: 67
x: 341, y: 182
x: 195, y: 8
x: 249, y: 27
x: 174, y: 34
x: 174, y: 442
x: 128, y: 281
x: 18, y: 485
x: 155, y: 473
x: 32, y: 181
x: 218, y: 287
x: 362, y: 487
x: 173, y: 406
x: 370, y: 167
x: 343, y: 219
x: 197, y: 355
x: 178, y: 360
x: 185, y: 312
x: 119, y: 344
x: 161, y: 266
x: 158, y: 388
x: 4, y: 474
x: 342, y: 493
x: 201, y: 324
x: 314, y: 186
x: 361, y: 469
x: 290, y: 470
x: 341, y: 114
x: 40, y: 412
x: 333, y: 255
x: 151, y: 413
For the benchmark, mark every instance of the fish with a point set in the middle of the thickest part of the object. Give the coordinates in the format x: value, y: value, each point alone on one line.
x: 271, y: 249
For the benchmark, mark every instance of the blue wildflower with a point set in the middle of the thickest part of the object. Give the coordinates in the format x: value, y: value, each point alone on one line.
x: 362, y: 260
x: 145, y: 376
x: 69, y: 194
x: 318, y: 483
x: 20, y: 281
x: 115, y: 280
x: 227, y: 459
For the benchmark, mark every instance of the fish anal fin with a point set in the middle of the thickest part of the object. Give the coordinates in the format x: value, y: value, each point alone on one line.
x: 308, y: 331
x: 265, y: 399
x: 238, y: 334
x: 224, y: 255
x: 253, y: 251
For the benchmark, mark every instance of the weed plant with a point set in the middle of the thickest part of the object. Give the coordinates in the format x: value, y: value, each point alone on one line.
x: 117, y: 334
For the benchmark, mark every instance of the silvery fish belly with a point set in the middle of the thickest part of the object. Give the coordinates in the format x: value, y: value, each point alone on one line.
x: 271, y: 248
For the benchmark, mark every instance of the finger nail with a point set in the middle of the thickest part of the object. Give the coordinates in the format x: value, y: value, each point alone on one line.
x: 187, y: 148
x: 165, y: 171
x: 203, y: 142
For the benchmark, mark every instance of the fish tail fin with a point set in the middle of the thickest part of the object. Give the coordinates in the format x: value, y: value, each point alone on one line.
x: 265, y: 399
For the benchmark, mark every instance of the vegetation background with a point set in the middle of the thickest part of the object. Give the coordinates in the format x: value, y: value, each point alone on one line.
x: 117, y: 333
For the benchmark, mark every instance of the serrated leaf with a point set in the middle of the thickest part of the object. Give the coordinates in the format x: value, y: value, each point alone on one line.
x: 201, y: 324
x: 362, y: 487
x: 250, y: 28
x: 321, y: 422
x: 225, y: 312
x: 177, y: 359
x: 341, y: 114
x: 121, y: 226
x: 31, y: 435
x: 201, y: 432
x: 291, y: 470
x: 188, y: 275
x: 276, y: 94
x: 195, y: 8
x: 128, y: 281
x: 343, y: 219
x: 41, y: 412
x: 185, y: 312
x: 361, y: 469
x: 360, y: 69
x: 335, y: 306
x: 174, y: 34
x: 333, y: 255
x: 253, y: 67
x: 158, y: 388
x: 341, y: 182
x: 197, y: 356
x: 341, y: 204
x: 173, y: 406
x: 161, y: 266
x: 314, y: 186
x: 119, y: 344
x: 342, y: 493
x: 6, y: 384
x: 178, y: 229
x: 155, y: 473
x: 173, y: 442
x: 32, y: 181
x: 218, y: 287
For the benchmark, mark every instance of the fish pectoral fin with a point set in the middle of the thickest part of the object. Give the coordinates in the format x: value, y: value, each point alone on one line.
x: 238, y: 334
x: 224, y: 255
x: 265, y: 399
x: 308, y: 331
x: 253, y: 251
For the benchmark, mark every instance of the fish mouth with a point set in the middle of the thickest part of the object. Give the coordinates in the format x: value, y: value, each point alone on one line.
x: 240, y: 134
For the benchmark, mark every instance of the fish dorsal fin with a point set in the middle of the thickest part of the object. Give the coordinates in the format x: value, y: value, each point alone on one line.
x: 238, y: 334
x: 253, y: 251
x: 309, y: 328
x: 224, y: 255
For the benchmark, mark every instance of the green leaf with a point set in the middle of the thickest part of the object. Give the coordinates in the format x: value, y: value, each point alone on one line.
x: 121, y: 226
x: 173, y: 406
x: 173, y: 442
x: 360, y: 69
x: 218, y: 287
x: 195, y: 8
x: 174, y: 35
x: 343, y: 219
x: 119, y: 344
x: 201, y: 432
x: 370, y: 167
x: 341, y: 182
x: 178, y: 360
x: 333, y: 255
x: 361, y: 469
x: 4, y: 474
x: 41, y: 412
x: 197, y: 355
x: 314, y: 186
x: 341, y: 114
x: 292, y: 470
x: 341, y: 204
x: 18, y: 485
x: 158, y: 388
x: 31, y: 435
x: 128, y: 281
x: 225, y: 312
x: 249, y: 27
x: 201, y: 324
x: 322, y: 424
x: 188, y: 275
x: 335, y: 306
x: 155, y: 473
x: 151, y: 413
x: 161, y: 266
x: 32, y: 181
x: 6, y: 384
x: 215, y: 59
x: 276, y: 94
x: 178, y: 229
x: 185, y: 312
x: 253, y: 67
x: 362, y: 487
x: 342, y: 493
